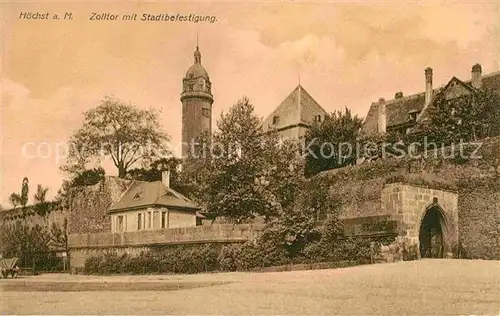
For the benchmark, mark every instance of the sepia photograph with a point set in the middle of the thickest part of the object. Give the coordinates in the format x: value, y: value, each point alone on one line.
x: 250, y: 158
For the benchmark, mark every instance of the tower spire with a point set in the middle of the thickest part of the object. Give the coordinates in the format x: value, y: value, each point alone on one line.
x: 197, y: 54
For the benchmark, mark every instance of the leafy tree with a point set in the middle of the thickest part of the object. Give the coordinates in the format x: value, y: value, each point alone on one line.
x: 20, y: 199
x: 59, y: 236
x: 245, y: 173
x: 155, y: 170
x: 118, y: 130
x: 23, y: 241
x: 15, y: 199
x: 41, y: 194
x: 467, y: 117
x: 228, y: 179
x: 80, y: 178
x: 282, y: 175
x: 332, y: 142
x: 88, y: 177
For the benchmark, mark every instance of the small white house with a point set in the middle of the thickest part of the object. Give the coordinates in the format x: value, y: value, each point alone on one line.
x: 151, y: 206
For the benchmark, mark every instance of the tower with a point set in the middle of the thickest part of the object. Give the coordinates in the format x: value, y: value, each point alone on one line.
x: 197, y: 99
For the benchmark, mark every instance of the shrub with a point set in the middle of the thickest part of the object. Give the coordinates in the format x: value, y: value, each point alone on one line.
x: 92, y: 265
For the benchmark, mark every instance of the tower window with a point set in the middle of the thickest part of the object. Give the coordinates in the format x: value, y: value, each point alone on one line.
x: 205, y: 112
x: 191, y: 87
x: 276, y: 120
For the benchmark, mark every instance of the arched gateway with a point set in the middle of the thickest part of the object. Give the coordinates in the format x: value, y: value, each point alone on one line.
x: 432, y: 233
x: 427, y: 220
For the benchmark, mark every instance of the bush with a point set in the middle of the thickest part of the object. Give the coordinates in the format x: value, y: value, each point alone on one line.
x: 179, y: 259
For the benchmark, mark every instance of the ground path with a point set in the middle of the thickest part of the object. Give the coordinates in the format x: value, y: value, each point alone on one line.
x: 425, y: 287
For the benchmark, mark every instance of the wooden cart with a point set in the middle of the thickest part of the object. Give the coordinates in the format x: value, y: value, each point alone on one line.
x: 8, y: 266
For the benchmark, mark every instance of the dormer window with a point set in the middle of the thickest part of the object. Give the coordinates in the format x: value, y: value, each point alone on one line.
x: 276, y: 120
x: 412, y: 115
x: 138, y: 196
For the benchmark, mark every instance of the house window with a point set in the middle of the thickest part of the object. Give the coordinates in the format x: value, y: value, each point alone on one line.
x: 139, y: 221
x: 119, y: 223
x: 276, y: 119
x: 317, y: 118
x: 163, y: 219
x: 205, y: 112
x: 149, y: 219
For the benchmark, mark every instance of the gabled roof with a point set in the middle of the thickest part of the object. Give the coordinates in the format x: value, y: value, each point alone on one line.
x: 142, y: 194
x: 298, y: 108
x: 454, y: 86
x: 397, y: 110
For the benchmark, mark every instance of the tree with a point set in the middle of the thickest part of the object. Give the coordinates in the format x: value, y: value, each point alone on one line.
x: 20, y: 199
x: 15, y: 199
x: 59, y: 237
x: 118, y: 130
x: 88, y: 177
x: 24, y: 192
x: 465, y: 118
x: 227, y: 181
x: 80, y: 178
x: 283, y: 173
x: 41, y: 194
x: 155, y: 170
x: 332, y: 142
x: 247, y: 173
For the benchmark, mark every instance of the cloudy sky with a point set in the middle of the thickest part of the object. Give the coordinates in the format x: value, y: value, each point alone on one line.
x: 346, y: 55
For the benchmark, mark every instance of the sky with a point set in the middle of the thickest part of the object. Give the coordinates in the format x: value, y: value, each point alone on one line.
x: 346, y: 54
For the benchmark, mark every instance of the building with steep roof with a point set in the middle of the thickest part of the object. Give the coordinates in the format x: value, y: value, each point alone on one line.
x: 294, y: 115
x: 402, y: 113
x: 197, y: 100
x: 153, y: 205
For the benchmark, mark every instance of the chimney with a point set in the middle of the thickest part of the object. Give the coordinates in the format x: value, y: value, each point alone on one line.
x: 165, y: 178
x: 398, y: 95
x: 476, y: 76
x: 382, y: 123
x: 428, y: 85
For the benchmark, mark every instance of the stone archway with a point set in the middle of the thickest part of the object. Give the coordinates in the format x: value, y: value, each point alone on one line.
x: 432, y: 233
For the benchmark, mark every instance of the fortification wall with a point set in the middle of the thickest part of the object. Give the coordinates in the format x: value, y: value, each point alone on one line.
x: 83, y: 246
x: 359, y: 192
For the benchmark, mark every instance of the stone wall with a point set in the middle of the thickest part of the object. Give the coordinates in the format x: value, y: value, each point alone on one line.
x: 88, y: 206
x: 412, y: 202
x: 85, y: 245
x: 479, y: 219
x: 357, y: 191
x: 55, y: 216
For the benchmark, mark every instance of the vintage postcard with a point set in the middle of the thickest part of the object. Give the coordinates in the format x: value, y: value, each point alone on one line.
x: 250, y: 158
